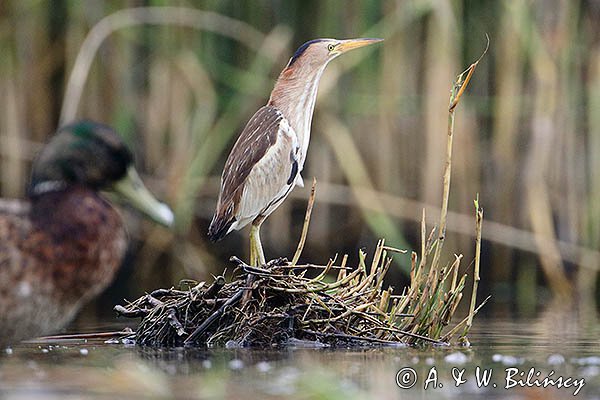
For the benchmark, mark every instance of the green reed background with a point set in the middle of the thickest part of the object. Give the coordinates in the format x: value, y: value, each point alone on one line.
x: 180, y: 87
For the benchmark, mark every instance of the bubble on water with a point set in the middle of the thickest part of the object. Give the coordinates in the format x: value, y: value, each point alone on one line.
x: 591, y: 360
x: 8, y: 351
x: 456, y: 358
x: 507, y: 360
x: 206, y: 364
x: 556, y: 359
x: 263, y: 367
x: 590, y: 371
x: 83, y: 352
x: 236, y: 364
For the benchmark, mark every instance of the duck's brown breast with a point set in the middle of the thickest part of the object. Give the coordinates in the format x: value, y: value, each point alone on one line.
x: 54, y: 258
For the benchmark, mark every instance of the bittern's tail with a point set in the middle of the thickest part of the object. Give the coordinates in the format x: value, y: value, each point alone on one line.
x: 219, y: 227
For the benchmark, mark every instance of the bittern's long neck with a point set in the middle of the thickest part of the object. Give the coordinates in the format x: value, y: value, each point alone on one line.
x: 295, y: 94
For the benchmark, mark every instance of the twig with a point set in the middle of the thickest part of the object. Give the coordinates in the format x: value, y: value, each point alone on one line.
x: 311, y: 202
x: 394, y: 250
x: 213, y: 317
x: 83, y: 336
x: 153, y: 301
x: 136, y: 313
x: 174, y: 322
x: 453, y: 331
x: 214, y: 289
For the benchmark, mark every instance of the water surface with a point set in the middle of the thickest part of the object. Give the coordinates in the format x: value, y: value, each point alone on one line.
x: 94, y: 369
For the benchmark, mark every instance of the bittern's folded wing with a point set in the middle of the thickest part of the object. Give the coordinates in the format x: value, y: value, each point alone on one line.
x: 259, y: 172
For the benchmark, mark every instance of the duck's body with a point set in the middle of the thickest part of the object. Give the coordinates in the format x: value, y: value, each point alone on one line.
x: 58, y: 249
x: 55, y: 255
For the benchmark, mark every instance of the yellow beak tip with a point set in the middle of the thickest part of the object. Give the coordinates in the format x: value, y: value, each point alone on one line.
x: 352, y: 44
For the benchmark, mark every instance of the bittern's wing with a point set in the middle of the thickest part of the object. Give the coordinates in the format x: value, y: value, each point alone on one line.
x: 259, y: 172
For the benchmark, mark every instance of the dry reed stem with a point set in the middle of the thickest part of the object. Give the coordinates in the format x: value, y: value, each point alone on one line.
x: 458, y: 88
x: 311, y: 203
x: 476, y: 277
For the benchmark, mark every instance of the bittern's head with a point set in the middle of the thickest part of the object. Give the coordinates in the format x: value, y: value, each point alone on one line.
x: 318, y: 52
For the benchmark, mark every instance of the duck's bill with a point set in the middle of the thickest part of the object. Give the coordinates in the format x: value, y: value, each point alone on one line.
x: 351, y: 44
x: 132, y: 189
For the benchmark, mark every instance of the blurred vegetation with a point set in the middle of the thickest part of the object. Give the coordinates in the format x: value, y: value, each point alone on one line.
x: 180, y: 84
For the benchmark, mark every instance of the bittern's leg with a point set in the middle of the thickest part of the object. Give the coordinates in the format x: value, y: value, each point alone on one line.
x: 253, y: 256
x: 257, y: 256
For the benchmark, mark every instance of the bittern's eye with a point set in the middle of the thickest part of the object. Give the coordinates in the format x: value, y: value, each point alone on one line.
x: 331, y: 47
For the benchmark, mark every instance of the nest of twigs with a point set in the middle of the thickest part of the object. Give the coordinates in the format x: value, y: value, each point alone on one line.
x: 285, y: 304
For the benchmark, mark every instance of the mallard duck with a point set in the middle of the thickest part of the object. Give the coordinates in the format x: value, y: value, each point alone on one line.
x: 64, y: 244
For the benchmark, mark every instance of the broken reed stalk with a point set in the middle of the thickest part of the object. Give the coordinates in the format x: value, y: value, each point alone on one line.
x: 438, y: 300
x: 311, y: 203
x: 458, y: 88
x: 446, y: 187
x: 476, y: 277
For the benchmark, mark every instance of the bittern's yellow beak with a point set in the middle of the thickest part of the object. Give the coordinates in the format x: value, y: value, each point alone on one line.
x: 135, y: 193
x: 351, y: 44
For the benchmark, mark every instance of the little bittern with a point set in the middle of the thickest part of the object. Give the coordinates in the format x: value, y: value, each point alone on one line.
x: 267, y: 159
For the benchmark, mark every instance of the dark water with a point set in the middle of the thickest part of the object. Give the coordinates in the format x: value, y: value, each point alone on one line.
x: 555, y: 342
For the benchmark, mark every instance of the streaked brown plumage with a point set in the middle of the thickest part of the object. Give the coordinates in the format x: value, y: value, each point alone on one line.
x: 268, y: 157
x: 63, y: 245
x: 261, y: 135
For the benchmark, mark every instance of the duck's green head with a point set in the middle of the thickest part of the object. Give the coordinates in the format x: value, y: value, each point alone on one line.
x: 90, y: 154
